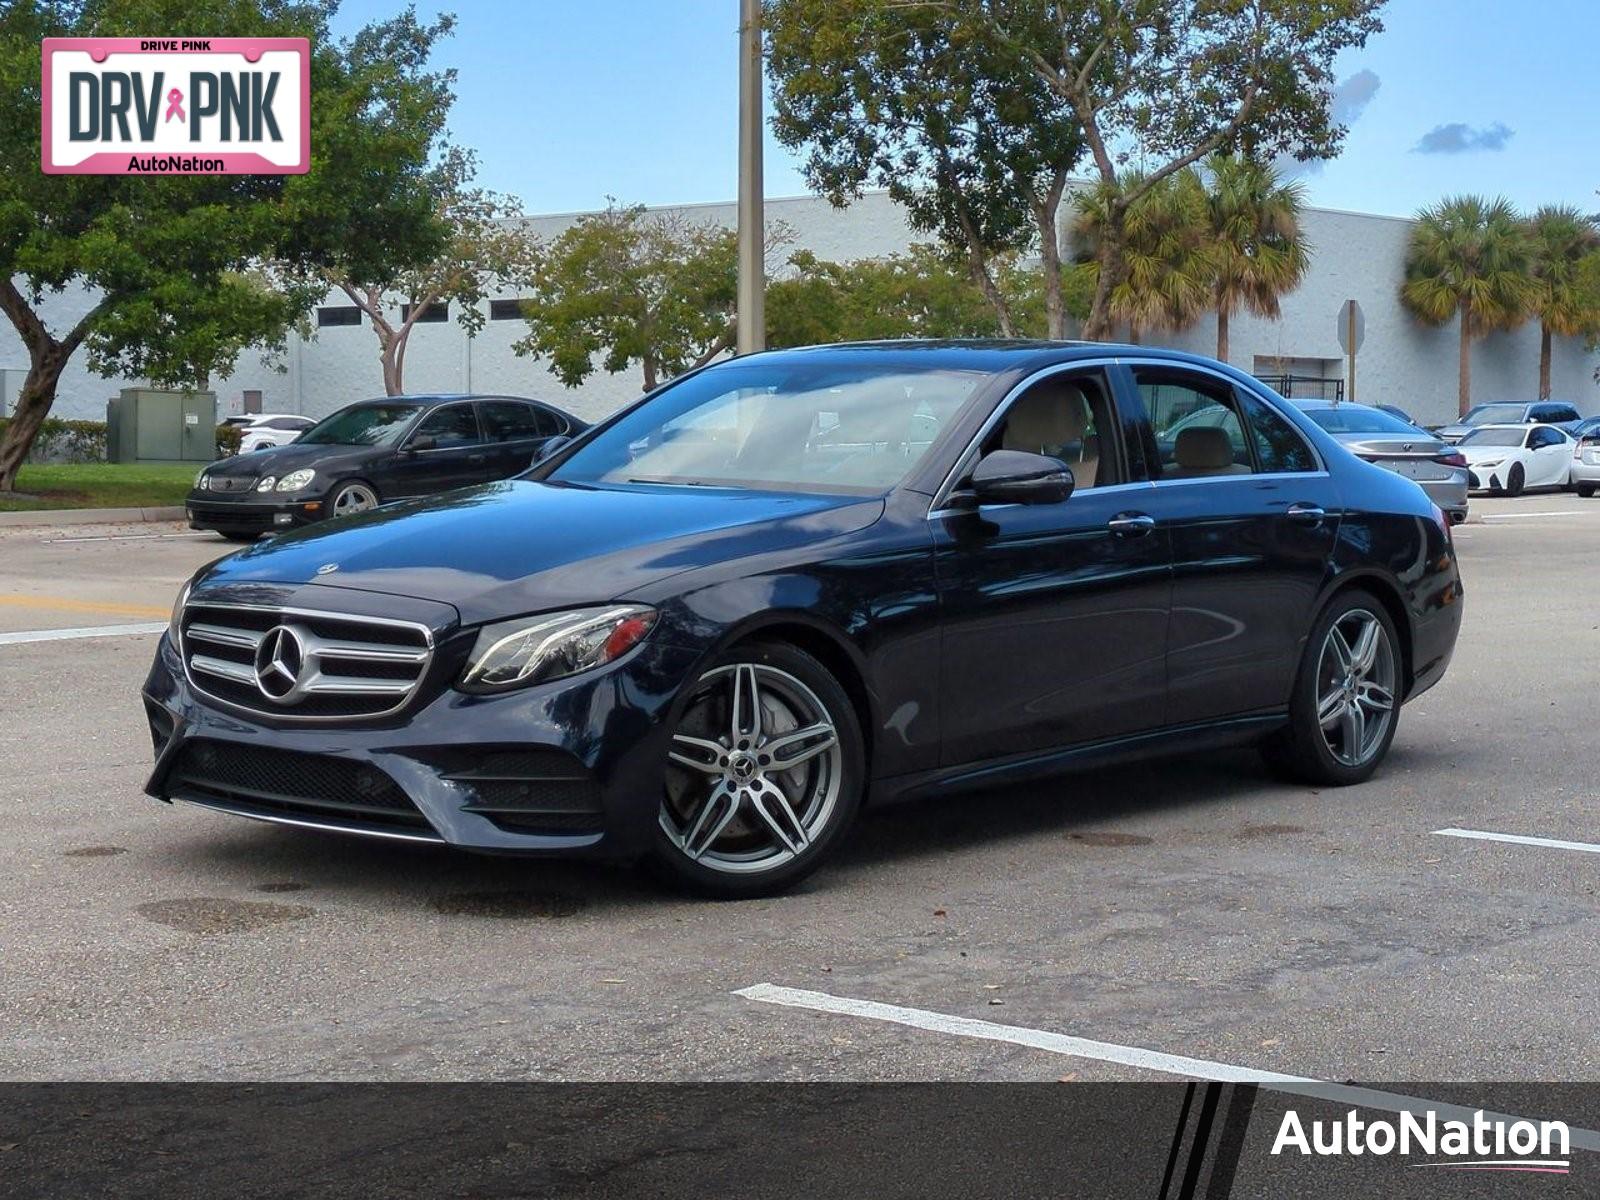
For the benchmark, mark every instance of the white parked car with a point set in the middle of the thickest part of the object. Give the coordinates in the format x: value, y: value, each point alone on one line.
x: 260, y: 430
x: 1511, y: 458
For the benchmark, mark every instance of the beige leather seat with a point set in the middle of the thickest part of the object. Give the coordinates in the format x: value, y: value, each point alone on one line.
x: 1053, y: 418
x: 1204, y: 450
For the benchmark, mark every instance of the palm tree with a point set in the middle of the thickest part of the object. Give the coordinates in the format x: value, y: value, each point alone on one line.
x: 1469, y: 258
x: 1562, y: 238
x: 1258, y: 248
x: 1166, y: 262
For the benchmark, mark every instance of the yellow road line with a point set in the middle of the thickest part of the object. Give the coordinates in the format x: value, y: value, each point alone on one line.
x: 63, y: 604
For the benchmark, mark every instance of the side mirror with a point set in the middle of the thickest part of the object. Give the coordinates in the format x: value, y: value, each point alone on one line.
x: 425, y: 442
x: 551, y: 446
x: 1017, y: 477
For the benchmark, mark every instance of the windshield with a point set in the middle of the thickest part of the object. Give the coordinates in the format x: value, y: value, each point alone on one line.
x: 362, y: 425
x: 1494, y: 437
x: 820, y: 426
x: 1353, y: 418
x: 1493, y: 414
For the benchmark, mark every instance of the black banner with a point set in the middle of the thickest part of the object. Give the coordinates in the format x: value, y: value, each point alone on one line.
x: 1158, y: 1141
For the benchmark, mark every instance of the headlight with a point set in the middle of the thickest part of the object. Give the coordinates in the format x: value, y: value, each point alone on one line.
x: 202, y: 481
x: 267, y: 483
x: 177, y: 612
x: 295, y: 480
x: 1491, y: 463
x: 552, y: 645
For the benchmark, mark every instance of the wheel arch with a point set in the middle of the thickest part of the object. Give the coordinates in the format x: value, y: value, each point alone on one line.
x: 1388, y: 593
x: 823, y: 642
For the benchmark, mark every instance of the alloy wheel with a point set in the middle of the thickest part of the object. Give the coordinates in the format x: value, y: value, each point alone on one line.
x: 755, y: 770
x: 1356, y: 687
x: 354, y: 498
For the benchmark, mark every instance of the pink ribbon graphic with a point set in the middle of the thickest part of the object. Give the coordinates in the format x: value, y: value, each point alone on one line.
x: 175, y: 105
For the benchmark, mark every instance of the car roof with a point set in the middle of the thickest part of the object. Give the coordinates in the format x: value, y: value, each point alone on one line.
x: 981, y: 354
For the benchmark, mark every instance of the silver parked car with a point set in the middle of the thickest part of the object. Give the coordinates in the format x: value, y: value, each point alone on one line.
x: 1397, y: 446
x: 1544, y: 412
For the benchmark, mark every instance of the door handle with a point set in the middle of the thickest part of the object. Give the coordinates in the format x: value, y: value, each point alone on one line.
x: 477, y: 458
x: 1306, y: 514
x: 1131, y: 524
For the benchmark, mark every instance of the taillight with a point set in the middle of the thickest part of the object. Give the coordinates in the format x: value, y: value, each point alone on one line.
x: 1452, y: 459
x: 1443, y: 522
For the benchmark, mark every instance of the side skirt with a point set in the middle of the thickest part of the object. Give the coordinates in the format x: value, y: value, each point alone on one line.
x: 1156, y: 743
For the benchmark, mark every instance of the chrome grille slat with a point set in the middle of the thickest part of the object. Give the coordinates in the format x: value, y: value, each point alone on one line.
x: 239, y: 672
x: 224, y: 637
x: 303, y: 665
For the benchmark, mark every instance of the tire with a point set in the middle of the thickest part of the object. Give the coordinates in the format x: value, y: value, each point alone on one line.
x: 355, y: 496
x: 1305, y: 750
x: 239, y: 537
x: 731, y: 827
x: 1514, y: 480
x: 1586, y: 490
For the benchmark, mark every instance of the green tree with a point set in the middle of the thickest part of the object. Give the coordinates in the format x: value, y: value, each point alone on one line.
x: 1563, y: 238
x: 918, y: 99
x: 628, y: 286
x: 1167, y: 265
x: 1258, y: 249
x: 487, y: 246
x: 1469, y: 259
x: 173, y: 264
x: 919, y: 294
x: 1179, y: 80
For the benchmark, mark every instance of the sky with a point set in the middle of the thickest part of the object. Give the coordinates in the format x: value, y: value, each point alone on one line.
x: 569, y: 102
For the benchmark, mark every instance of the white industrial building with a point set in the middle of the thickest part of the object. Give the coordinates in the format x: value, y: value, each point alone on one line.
x: 1354, y: 256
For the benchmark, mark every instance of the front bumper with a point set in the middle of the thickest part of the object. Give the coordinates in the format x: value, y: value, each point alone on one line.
x: 570, y: 768
x: 247, y: 513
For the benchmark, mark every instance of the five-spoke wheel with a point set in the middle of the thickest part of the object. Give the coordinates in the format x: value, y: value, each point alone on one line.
x: 763, y: 774
x: 1345, y: 705
x: 352, y: 497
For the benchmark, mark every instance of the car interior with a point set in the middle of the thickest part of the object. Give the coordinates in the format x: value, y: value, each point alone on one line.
x: 1063, y: 418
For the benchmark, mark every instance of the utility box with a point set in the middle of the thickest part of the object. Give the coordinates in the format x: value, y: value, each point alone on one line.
x: 146, y: 425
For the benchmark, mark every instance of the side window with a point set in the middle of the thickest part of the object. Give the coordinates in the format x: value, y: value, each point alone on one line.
x: 1279, y: 446
x: 1543, y: 436
x: 452, y: 425
x: 1196, y: 422
x: 505, y: 421
x: 1066, y: 417
x: 548, y: 423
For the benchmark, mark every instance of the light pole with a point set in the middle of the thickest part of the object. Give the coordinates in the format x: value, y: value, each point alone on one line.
x: 752, y: 331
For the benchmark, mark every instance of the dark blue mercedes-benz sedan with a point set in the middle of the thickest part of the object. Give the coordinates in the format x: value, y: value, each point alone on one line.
x: 708, y: 630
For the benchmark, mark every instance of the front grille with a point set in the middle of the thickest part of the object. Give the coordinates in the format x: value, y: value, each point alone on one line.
x: 290, y: 782
x: 303, y: 665
x: 229, y: 483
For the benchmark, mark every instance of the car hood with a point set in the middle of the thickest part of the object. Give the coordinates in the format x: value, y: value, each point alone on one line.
x: 517, y: 546
x: 280, y: 460
x: 1475, y: 454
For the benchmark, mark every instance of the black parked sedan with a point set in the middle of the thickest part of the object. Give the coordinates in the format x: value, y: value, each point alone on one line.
x: 373, y: 452
x: 710, y: 628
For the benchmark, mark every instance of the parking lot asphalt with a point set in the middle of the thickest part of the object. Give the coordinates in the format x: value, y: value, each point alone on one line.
x: 1105, y: 926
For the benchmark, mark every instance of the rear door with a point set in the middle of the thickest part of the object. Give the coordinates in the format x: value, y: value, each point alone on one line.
x: 514, y: 432
x: 1251, y: 516
x: 1054, y: 615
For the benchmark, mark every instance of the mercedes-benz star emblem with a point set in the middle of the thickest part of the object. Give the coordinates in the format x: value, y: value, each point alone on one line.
x: 279, y: 660
x: 327, y: 568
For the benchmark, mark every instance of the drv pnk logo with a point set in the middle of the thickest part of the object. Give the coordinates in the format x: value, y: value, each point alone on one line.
x: 176, y: 106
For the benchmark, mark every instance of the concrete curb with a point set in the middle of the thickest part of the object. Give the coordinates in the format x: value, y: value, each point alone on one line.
x: 88, y: 516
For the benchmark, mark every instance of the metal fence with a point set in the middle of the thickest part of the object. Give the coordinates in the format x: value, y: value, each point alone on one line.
x: 1304, y: 387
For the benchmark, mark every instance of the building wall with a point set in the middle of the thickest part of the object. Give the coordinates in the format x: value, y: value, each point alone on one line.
x: 1354, y: 256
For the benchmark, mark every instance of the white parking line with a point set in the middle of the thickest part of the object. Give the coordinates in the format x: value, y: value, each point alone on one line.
x: 1130, y: 1056
x: 1517, y: 839
x: 1523, y: 516
x: 93, y: 631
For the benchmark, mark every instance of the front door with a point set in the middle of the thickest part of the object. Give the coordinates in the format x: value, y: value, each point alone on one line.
x: 446, y: 451
x: 1252, y: 519
x: 1055, y: 615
